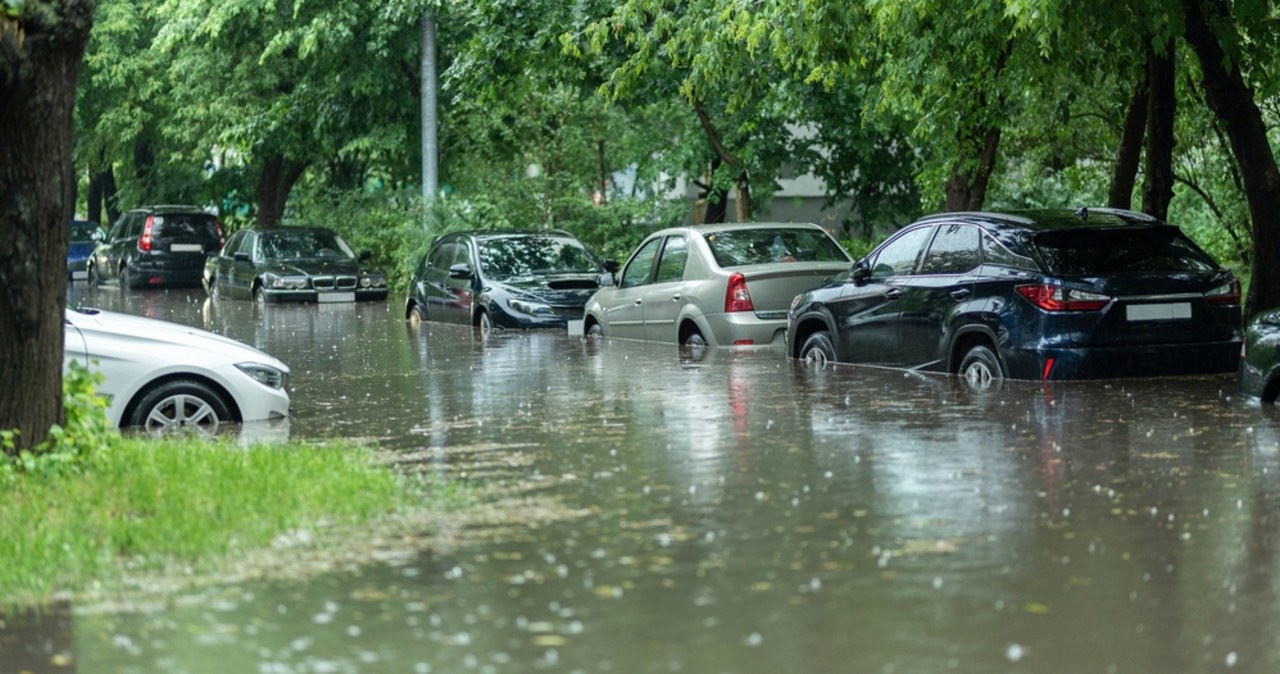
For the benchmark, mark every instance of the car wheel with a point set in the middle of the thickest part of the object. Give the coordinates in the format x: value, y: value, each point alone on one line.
x: 484, y: 323
x: 695, y: 340
x: 259, y: 296
x: 417, y: 315
x: 818, y: 349
x: 95, y: 279
x: 981, y: 368
x: 180, y: 405
x: 126, y: 279
x: 595, y: 331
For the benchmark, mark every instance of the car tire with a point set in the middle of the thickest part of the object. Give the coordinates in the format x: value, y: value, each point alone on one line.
x: 126, y: 279
x: 417, y: 315
x: 484, y: 323
x: 695, y: 340
x: 980, y: 368
x: 180, y: 405
x: 94, y: 278
x: 595, y: 331
x: 259, y: 297
x: 818, y: 349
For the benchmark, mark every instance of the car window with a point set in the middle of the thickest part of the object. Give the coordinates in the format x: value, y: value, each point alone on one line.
x: 302, y: 244
x: 84, y: 231
x: 511, y: 257
x: 995, y: 252
x: 671, y: 265
x: 442, y: 256
x: 235, y: 243
x: 133, y: 226
x: 188, y: 226
x: 637, y: 271
x: 954, y: 250
x: 898, y: 256
x: 1095, y: 252
x: 740, y: 247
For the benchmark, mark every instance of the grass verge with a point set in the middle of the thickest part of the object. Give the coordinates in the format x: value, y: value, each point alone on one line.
x: 140, y: 506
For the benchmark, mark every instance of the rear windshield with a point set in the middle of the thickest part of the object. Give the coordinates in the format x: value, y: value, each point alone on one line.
x: 193, y: 226
x: 740, y: 247
x: 1096, y: 252
x: 513, y: 257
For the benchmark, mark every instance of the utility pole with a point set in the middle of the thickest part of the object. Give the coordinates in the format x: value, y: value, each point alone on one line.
x: 430, y: 145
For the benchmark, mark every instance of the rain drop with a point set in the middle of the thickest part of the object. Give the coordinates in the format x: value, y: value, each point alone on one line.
x: 1014, y: 653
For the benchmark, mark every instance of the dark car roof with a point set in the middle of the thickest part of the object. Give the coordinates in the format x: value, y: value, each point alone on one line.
x: 1051, y: 219
x: 480, y: 234
x: 172, y: 208
x: 268, y: 230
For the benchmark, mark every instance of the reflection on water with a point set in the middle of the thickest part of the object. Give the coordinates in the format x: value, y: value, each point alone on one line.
x: 741, y: 513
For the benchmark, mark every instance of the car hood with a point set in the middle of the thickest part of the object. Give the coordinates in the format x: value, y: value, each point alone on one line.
x: 564, y: 290
x: 79, y: 250
x: 312, y: 266
x: 164, y: 335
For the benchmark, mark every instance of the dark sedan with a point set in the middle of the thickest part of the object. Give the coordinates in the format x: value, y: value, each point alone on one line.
x: 1260, y: 365
x: 503, y: 279
x: 1055, y: 294
x: 292, y: 264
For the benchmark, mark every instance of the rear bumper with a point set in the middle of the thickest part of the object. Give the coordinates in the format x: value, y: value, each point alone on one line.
x: 1126, y: 361
x: 161, y: 274
x: 738, y: 329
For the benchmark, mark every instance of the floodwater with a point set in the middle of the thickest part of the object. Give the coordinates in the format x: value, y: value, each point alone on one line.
x: 735, y: 513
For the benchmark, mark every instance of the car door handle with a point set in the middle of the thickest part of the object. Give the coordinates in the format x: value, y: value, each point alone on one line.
x: 675, y: 297
x: 893, y: 293
x: 639, y: 301
x: 961, y: 294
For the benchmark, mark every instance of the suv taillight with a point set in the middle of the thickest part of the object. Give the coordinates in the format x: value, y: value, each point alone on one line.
x: 221, y: 238
x: 1057, y: 298
x: 144, y: 241
x: 1224, y: 294
x: 736, y: 297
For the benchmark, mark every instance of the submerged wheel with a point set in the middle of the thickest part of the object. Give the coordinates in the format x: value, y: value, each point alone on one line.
x: 95, y: 279
x: 484, y: 323
x: 981, y: 367
x: 259, y: 296
x: 180, y: 405
x: 417, y: 315
x: 595, y: 331
x: 695, y: 339
x: 126, y: 279
x: 818, y: 349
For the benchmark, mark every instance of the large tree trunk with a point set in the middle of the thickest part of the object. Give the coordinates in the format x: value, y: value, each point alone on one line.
x: 40, y: 55
x: 102, y: 196
x: 1157, y: 184
x: 1129, y: 154
x: 1232, y: 101
x: 742, y: 191
x: 276, y: 181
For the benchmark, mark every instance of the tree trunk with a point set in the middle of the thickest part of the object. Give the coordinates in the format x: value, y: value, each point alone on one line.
x: 1157, y: 184
x: 1129, y: 154
x: 40, y: 54
x: 967, y: 186
x: 276, y: 181
x: 722, y: 154
x: 1233, y: 102
x: 102, y: 196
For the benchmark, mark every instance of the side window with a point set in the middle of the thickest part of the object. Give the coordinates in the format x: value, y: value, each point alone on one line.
x: 135, y: 226
x: 953, y: 251
x: 637, y: 271
x: 442, y: 256
x: 120, y: 227
x: 233, y: 244
x: 671, y: 265
x: 248, y: 244
x: 899, y: 256
x: 994, y: 252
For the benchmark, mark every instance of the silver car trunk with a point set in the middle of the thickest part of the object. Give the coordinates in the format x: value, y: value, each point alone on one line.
x: 773, y: 286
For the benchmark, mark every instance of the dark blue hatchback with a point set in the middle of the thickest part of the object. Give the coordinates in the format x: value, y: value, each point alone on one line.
x: 1053, y: 294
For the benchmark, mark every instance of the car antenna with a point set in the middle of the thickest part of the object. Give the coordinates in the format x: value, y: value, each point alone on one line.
x: 1083, y: 214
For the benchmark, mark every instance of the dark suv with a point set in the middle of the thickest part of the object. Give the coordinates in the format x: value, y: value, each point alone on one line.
x: 157, y: 245
x: 1054, y: 294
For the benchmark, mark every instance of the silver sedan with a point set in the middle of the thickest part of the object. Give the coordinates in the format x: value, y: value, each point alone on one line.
x: 716, y: 285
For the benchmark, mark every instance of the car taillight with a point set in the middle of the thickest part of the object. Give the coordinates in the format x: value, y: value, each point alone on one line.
x: 221, y: 239
x: 144, y: 242
x: 1228, y: 293
x: 1057, y: 298
x: 736, y: 297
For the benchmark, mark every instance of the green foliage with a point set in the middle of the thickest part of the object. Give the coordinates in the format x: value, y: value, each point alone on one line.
x: 85, y: 435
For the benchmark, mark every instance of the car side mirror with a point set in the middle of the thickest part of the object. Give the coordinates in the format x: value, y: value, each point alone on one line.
x: 241, y: 256
x: 365, y: 255
x: 611, y: 266
x: 861, y: 273
x: 460, y: 270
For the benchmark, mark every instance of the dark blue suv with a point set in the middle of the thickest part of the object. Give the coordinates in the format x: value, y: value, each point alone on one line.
x: 1053, y: 294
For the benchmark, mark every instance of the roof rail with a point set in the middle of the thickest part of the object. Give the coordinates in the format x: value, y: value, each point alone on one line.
x: 1123, y: 213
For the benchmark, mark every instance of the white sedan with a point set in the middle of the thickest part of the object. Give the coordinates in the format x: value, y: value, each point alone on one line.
x: 163, y: 376
x: 715, y: 285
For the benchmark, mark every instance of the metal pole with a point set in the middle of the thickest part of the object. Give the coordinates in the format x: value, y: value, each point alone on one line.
x: 430, y: 147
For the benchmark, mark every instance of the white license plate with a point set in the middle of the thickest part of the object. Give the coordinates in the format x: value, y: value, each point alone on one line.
x: 185, y: 247
x: 575, y: 327
x: 336, y: 297
x: 79, y: 275
x: 1173, y: 311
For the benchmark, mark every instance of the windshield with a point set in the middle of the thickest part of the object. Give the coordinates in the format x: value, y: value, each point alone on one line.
x: 83, y: 231
x: 1099, y: 252
x: 740, y: 247
x: 511, y: 257
x: 303, y: 243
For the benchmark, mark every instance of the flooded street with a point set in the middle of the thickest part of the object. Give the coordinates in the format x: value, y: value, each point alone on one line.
x: 734, y: 513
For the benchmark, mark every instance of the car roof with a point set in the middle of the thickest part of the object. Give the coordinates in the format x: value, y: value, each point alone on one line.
x: 738, y: 226
x: 485, y: 234
x: 309, y: 228
x: 1051, y: 219
x: 172, y: 208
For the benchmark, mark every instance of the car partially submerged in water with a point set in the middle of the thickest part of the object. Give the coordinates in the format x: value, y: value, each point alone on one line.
x: 164, y: 377
x: 1052, y: 294
x: 292, y: 264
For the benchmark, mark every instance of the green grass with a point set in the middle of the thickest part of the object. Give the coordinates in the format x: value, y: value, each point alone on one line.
x: 142, y: 505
